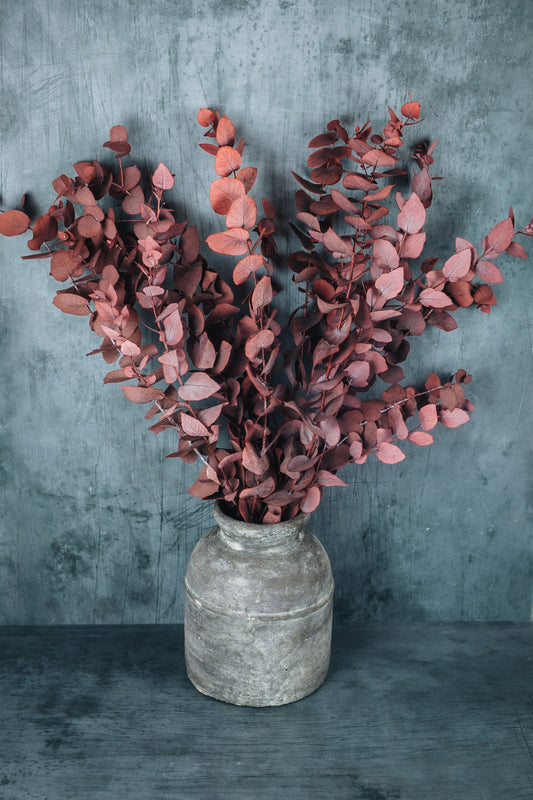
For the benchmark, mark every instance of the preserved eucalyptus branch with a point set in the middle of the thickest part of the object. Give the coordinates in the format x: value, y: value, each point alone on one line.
x: 271, y: 424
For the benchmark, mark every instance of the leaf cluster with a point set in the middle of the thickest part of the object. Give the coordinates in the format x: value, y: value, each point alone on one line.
x: 272, y: 426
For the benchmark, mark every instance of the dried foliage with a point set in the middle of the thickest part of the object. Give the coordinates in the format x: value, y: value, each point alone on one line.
x: 273, y: 424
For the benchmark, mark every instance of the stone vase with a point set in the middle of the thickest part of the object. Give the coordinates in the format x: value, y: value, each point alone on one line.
x: 258, y: 612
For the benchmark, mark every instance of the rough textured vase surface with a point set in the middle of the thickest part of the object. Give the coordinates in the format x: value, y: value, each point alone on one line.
x: 258, y: 612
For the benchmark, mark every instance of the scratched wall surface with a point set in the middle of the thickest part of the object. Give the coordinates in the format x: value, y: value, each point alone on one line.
x: 95, y: 526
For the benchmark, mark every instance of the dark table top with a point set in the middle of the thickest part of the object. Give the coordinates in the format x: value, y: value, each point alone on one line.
x: 409, y: 712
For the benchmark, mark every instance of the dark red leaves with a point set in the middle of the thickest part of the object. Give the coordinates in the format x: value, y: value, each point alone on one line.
x: 389, y: 453
x: 198, y: 387
x: 13, y: 223
x: 227, y: 160
x: 242, y: 213
x: 225, y: 134
x: 457, y: 266
x: 412, y: 216
x: 162, y: 177
x: 411, y: 110
x: 214, y: 371
x: 246, y: 267
x: 72, y: 303
x: 223, y: 192
x: 142, y: 394
x: 233, y: 242
x: 499, y: 239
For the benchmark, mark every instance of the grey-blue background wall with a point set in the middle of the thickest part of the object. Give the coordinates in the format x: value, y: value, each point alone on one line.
x: 96, y: 527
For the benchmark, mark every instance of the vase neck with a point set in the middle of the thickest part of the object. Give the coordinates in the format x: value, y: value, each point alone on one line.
x: 242, y: 535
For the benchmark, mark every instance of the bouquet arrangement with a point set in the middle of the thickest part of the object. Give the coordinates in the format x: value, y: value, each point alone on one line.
x: 272, y: 407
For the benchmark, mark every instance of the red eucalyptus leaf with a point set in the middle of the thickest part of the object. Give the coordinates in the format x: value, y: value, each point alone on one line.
x: 203, y: 352
x: 420, y: 438
x: 205, y: 117
x: 88, y: 226
x: 132, y: 202
x: 335, y: 244
x: 458, y: 265
x: 223, y: 192
x: 174, y: 364
x: 421, y: 184
x: 442, y: 320
x: 262, y: 294
x: 314, y: 188
x: 323, y: 140
x: 311, y: 500
x: 245, y: 267
x: 118, y: 133
x: 327, y: 175
x: 162, y: 177
x: 247, y: 177
x: 203, y: 488
x: 65, y: 264
x: 262, y: 489
x: 260, y: 341
x: 225, y: 134
x: 412, y: 245
x: 72, y: 303
x: 484, y: 298
x: 428, y: 416
x: 242, y: 213
x: 142, y: 394
x: 13, y: 223
x: 227, y: 160
x: 331, y: 430
x: 212, y: 149
x: 381, y: 194
x: 397, y: 422
x: 385, y: 255
x: 434, y: 298
x: 377, y: 158
x: 130, y: 349
x: 461, y: 292
x: 253, y: 461
x: 192, y: 427
x: 173, y: 327
x: 198, y: 387
x: 499, y: 238
x: 389, y: 453
x: 488, y: 272
x: 386, y: 313
x: 411, y: 110
x: 515, y: 249
x: 325, y: 478
x: 390, y: 284
x: 358, y: 223
x: 343, y: 202
x: 412, y: 216
x: 353, y: 180
x: 210, y: 415
x: 452, y: 419
x: 63, y: 185
x: 233, y: 242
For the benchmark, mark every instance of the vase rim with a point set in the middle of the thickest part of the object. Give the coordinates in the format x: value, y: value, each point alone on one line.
x: 258, y: 532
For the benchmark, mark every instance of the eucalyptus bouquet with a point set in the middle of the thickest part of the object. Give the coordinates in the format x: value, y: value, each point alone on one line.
x: 273, y: 407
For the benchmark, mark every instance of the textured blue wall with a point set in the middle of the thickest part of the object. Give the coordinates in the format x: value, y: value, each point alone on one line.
x: 95, y: 525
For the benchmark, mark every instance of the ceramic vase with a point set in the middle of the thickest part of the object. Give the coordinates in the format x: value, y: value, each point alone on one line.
x: 258, y: 611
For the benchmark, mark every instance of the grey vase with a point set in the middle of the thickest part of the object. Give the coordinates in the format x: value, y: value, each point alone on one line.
x: 258, y: 610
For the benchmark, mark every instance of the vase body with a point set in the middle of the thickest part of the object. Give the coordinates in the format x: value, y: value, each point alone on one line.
x: 258, y: 610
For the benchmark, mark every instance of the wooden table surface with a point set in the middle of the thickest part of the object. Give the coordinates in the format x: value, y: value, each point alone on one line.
x: 409, y: 712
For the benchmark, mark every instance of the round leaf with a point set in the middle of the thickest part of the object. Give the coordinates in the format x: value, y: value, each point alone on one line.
x: 227, y: 160
x: 13, y: 223
x: 242, y: 213
x: 223, y: 192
